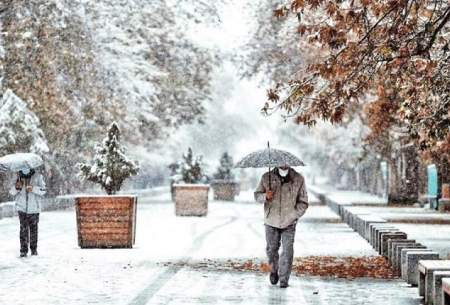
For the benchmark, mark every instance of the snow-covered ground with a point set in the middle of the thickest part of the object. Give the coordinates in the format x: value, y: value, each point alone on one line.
x: 65, y: 274
x: 355, y: 197
x: 426, y: 226
x: 435, y: 237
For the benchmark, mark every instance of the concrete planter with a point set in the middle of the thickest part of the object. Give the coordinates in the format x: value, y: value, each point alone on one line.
x: 224, y: 190
x: 106, y: 221
x: 191, y: 199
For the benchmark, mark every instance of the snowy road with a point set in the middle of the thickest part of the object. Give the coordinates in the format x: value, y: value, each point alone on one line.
x: 65, y: 274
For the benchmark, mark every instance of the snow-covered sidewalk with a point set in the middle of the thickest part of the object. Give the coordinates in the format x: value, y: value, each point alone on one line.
x: 66, y: 274
x: 425, y: 225
x: 353, y: 197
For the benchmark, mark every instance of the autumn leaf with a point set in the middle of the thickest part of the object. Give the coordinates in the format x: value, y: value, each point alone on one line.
x: 297, y: 5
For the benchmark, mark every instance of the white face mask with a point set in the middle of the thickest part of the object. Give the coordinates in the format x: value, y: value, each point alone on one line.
x: 283, y: 172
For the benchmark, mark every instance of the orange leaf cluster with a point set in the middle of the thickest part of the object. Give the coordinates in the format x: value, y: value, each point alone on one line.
x: 402, y: 45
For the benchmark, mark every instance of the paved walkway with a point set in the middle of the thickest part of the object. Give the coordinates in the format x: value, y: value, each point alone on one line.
x: 65, y: 274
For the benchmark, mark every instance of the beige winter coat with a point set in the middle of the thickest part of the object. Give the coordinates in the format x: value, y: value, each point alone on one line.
x: 290, y: 200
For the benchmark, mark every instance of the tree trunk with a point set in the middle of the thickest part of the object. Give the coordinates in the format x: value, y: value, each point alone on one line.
x: 403, y: 178
x: 443, y: 167
x: 4, y: 188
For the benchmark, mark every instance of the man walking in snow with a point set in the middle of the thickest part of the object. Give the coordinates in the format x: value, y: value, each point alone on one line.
x: 28, y: 189
x: 285, y: 199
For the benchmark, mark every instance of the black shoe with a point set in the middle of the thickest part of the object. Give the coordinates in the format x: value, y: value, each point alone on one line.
x: 273, y: 278
x: 284, y: 285
x: 23, y: 254
x: 34, y: 253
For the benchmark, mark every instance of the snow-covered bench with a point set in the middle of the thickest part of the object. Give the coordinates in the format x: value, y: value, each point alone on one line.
x: 392, y: 243
x: 373, y: 227
x: 366, y: 221
x: 427, y: 269
x: 410, y: 266
x: 438, y: 277
x: 377, y: 236
x: 386, y: 237
x: 396, y: 256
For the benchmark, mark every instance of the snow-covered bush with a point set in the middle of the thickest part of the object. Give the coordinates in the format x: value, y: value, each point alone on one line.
x: 191, y: 168
x: 224, y: 171
x: 111, y: 166
x: 19, y: 127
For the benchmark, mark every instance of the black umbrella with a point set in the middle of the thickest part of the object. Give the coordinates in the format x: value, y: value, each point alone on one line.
x: 269, y: 158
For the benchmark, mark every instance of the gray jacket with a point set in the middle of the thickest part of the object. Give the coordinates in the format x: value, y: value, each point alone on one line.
x: 30, y: 203
x: 290, y: 200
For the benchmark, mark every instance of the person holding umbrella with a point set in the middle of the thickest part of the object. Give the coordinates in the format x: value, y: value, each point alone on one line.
x: 27, y: 192
x: 283, y: 193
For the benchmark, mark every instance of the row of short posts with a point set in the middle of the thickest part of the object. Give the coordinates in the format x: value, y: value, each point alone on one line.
x: 415, y: 263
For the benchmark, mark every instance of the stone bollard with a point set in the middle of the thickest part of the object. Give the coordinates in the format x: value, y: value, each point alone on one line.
x: 391, y: 247
x: 397, y: 261
x: 353, y: 220
x: 385, y: 237
x: 359, y: 220
x: 374, y: 230
x: 438, y: 276
x: 341, y: 208
x: 403, y: 260
x: 412, y: 264
x: 367, y: 224
x: 347, y: 214
x: 378, y: 237
x: 372, y: 233
x: 363, y: 224
x: 426, y: 270
x: 445, y: 291
x: 332, y: 205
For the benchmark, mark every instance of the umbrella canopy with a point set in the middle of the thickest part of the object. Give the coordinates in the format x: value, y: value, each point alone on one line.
x: 269, y: 158
x: 20, y: 161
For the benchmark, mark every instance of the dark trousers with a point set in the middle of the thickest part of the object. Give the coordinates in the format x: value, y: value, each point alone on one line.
x: 275, y: 238
x: 28, y: 231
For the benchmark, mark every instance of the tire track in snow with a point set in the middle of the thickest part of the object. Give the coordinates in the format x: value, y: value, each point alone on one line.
x: 161, y: 280
x: 256, y: 232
